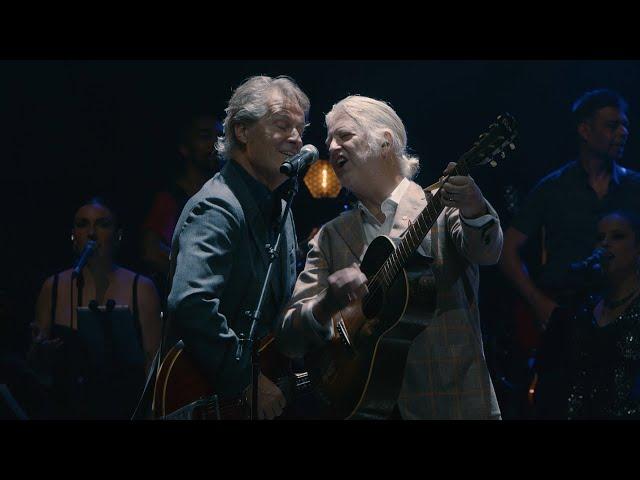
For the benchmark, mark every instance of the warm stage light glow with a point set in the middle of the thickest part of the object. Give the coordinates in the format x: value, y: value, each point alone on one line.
x: 322, y: 181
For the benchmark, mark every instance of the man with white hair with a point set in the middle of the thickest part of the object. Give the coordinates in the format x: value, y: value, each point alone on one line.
x: 218, y: 255
x: 445, y: 376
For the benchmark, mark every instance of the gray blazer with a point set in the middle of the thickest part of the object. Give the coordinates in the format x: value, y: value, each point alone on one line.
x: 446, y: 375
x: 218, y: 264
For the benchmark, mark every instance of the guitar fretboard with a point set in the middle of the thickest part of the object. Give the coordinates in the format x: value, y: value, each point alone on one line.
x: 413, y: 236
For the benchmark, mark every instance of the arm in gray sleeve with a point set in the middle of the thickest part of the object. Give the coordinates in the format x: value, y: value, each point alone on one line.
x: 298, y: 331
x: 479, y: 243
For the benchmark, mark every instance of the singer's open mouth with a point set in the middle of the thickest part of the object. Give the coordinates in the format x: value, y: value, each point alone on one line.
x: 341, y: 161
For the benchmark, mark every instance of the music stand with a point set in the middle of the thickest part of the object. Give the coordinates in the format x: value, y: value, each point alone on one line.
x: 110, y: 337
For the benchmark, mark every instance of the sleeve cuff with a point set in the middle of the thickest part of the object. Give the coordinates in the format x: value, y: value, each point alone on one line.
x: 325, y: 332
x: 478, y: 222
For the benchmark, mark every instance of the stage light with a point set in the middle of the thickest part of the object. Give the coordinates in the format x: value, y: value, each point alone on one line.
x: 322, y: 181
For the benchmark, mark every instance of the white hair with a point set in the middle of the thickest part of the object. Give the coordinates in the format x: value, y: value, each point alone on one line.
x: 376, y: 117
x: 248, y: 104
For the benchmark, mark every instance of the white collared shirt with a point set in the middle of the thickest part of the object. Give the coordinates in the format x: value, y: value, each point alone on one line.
x: 370, y: 224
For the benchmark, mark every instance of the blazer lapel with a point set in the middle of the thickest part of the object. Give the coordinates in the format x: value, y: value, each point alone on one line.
x: 253, y: 218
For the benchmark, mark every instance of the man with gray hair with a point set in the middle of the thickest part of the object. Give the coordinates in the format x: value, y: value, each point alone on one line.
x: 446, y: 375
x: 218, y: 255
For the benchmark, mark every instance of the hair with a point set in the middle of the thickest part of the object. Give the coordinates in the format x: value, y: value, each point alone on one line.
x: 97, y: 200
x: 590, y: 102
x: 248, y: 105
x: 376, y: 117
x: 632, y: 218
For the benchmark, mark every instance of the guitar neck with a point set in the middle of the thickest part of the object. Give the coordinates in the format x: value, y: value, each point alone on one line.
x: 415, y: 233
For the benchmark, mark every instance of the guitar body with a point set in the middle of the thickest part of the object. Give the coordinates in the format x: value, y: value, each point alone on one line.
x: 358, y: 375
x: 183, y: 392
x: 179, y: 384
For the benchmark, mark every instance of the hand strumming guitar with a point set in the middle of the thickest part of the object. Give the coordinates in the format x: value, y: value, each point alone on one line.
x: 345, y: 286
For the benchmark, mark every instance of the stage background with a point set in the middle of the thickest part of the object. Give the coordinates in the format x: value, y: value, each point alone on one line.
x: 73, y: 129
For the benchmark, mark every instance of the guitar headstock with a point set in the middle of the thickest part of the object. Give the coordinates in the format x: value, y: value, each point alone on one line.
x: 494, y: 144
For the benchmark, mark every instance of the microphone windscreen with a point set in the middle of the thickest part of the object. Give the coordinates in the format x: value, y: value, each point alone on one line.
x: 311, y: 149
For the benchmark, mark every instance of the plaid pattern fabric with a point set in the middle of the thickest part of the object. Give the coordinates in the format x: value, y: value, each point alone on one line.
x: 446, y: 376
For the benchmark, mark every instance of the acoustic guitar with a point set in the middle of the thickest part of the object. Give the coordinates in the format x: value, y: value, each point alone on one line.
x: 358, y: 374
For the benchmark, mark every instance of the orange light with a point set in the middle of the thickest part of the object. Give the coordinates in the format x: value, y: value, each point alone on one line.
x: 322, y: 181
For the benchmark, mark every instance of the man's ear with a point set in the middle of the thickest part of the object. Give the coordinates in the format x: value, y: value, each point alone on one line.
x: 584, y: 130
x: 388, y: 139
x: 240, y: 132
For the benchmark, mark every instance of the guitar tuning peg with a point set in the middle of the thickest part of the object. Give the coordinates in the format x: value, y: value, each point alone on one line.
x: 503, y: 155
x: 493, y: 163
x: 512, y: 146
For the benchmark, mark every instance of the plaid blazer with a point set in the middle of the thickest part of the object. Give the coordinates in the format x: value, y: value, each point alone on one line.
x: 446, y: 375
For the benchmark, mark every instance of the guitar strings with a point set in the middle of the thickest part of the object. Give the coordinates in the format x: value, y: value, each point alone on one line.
x: 375, y: 279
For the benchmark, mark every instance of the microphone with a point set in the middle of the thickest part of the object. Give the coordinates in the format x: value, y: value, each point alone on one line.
x: 294, y: 165
x: 88, y: 250
x: 591, y: 263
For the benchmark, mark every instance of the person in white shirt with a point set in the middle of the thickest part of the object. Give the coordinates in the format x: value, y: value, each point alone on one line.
x: 445, y: 376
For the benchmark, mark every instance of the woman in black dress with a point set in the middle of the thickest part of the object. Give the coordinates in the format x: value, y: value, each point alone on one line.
x: 605, y: 351
x: 59, y: 354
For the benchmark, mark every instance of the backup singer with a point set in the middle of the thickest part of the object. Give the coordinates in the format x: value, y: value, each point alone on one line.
x: 605, y: 345
x: 56, y: 346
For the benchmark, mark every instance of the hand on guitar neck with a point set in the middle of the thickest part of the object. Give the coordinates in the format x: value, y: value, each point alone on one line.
x: 344, y: 287
x: 461, y: 192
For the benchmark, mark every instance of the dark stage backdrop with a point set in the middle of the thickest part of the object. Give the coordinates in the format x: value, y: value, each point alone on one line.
x: 73, y: 129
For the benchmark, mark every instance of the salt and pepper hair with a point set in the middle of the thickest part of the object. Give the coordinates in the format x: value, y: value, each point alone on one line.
x: 248, y: 105
x: 375, y: 117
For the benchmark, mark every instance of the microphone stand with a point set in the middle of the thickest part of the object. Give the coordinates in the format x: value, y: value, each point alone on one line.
x: 79, y: 278
x: 256, y: 314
